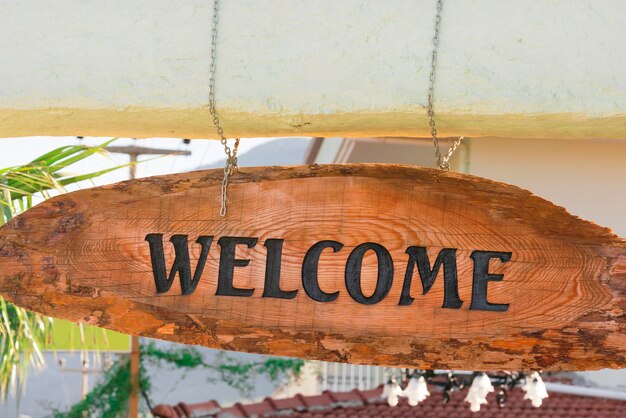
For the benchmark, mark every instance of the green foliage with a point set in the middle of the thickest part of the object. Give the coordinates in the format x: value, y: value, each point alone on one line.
x: 240, y: 375
x: 226, y: 369
x: 184, y: 358
x: 23, y: 333
x: 109, y: 398
x: 19, y: 184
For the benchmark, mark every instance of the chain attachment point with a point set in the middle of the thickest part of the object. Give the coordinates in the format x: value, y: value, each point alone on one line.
x: 230, y: 167
x: 443, y: 162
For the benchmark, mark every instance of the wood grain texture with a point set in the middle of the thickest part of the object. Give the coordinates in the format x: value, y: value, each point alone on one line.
x: 83, y: 257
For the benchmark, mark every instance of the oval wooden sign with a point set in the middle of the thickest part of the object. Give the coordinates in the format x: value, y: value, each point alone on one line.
x: 375, y: 264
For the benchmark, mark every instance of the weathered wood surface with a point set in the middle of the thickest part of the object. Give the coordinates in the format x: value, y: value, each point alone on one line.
x: 84, y: 257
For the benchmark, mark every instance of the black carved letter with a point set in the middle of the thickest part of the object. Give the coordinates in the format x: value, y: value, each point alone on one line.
x: 309, y: 271
x: 181, y: 264
x: 482, y: 277
x: 272, y: 271
x: 228, y: 262
x: 447, y: 257
x: 353, y: 273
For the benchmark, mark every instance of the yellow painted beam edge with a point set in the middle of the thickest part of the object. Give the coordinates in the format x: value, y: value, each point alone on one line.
x: 195, y: 123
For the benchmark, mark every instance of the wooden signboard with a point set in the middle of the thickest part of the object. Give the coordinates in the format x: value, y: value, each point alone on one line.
x: 374, y: 264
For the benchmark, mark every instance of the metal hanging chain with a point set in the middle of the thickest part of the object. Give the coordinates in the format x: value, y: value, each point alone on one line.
x: 231, y: 155
x: 443, y: 162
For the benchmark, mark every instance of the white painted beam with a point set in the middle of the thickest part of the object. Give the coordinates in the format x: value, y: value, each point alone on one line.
x: 511, y: 68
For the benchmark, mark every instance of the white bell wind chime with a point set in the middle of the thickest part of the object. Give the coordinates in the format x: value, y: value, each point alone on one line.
x: 482, y: 384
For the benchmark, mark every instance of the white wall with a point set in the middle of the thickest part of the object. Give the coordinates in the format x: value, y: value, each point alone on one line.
x: 585, y: 177
x: 140, y: 68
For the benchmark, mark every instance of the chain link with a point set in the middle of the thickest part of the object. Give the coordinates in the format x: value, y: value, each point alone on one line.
x: 443, y: 162
x: 231, y: 155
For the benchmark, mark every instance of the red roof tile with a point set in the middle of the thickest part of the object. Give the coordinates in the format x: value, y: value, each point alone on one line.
x: 205, y: 408
x: 364, y: 404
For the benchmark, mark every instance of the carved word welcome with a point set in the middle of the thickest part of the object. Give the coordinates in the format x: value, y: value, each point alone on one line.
x: 418, y: 257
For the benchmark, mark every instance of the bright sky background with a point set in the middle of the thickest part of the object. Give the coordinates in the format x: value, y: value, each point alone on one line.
x: 16, y: 151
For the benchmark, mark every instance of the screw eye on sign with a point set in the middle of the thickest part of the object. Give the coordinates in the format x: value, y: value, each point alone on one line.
x: 374, y: 264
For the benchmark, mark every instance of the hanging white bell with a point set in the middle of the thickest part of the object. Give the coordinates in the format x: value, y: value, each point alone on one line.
x: 477, y: 393
x: 416, y: 390
x: 392, y: 391
x: 535, y: 389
